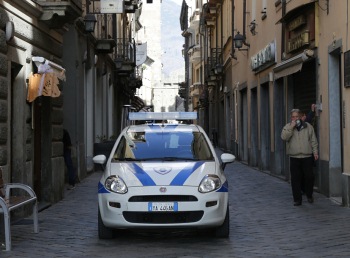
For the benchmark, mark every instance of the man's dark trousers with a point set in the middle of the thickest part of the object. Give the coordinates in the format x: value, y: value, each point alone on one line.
x: 302, y: 169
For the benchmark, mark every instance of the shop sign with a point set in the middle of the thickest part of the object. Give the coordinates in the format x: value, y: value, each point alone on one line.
x: 264, y: 57
x: 299, y: 41
x: 297, y: 22
x: 112, y: 6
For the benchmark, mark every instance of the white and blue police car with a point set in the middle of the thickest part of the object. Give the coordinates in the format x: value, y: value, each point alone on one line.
x: 162, y: 175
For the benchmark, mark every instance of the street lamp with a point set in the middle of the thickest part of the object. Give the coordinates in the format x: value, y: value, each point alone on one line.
x: 218, y: 69
x: 239, y: 40
x: 90, y: 21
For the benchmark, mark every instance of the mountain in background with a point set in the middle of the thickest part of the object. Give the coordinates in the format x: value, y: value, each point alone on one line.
x: 171, y: 39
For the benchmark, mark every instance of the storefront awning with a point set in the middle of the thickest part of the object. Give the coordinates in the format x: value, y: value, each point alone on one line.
x: 45, y: 66
x: 137, y: 103
x: 45, y: 82
x: 291, y: 65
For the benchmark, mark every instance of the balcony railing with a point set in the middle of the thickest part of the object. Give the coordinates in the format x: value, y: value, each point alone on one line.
x: 125, y: 50
x: 125, y: 55
x: 213, y: 59
x: 213, y: 65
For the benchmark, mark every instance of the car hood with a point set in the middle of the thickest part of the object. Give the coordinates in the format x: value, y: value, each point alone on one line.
x: 137, y: 174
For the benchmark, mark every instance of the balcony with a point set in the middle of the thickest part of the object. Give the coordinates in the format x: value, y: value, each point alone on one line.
x: 125, y: 57
x: 105, y: 27
x: 58, y: 13
x: 196, y: 89
x: 194, y: 19
x: 130, y: 6
x: 213, y: 63
x: 104, y: 46
x: 194, y: 53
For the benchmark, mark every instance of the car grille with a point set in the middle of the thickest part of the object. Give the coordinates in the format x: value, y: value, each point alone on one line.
x: 163, y: 217
x: 164, y: 198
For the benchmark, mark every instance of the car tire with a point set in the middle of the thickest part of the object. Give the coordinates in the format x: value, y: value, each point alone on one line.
x: 224, y: 230
x: 103, y: 231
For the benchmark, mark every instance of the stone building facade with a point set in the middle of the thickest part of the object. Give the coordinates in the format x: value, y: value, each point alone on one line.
x: 96, y: 76
x: 291, y: 54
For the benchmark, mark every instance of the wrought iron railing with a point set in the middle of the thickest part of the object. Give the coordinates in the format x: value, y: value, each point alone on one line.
x: 125, y: 50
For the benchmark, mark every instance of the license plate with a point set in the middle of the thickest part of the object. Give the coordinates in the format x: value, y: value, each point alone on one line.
x: 162, y: 206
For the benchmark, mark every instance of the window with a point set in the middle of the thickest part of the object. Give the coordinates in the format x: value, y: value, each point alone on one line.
x: 162, y: 145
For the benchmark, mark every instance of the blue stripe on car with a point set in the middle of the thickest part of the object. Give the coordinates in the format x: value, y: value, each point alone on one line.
x: 101, y: 188
x: 144, y: 178
x: 184, y: 174
x: 224, y: 187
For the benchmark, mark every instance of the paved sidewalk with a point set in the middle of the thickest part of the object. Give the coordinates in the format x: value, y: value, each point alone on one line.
x: 264, y: 223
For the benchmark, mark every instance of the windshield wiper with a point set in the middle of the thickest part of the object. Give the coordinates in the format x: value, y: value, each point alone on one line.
x: 177, y: 158
x: 125, y: 159
x: 158, y: 158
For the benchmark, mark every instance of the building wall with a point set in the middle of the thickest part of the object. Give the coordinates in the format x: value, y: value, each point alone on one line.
x: 152, y: 74
x: 31, y: 149
x: 258, y: 103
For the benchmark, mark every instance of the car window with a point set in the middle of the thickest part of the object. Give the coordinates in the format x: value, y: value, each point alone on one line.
x: 163, y: 145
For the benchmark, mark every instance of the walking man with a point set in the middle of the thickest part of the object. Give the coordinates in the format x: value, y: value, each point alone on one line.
x: 67, y: 153
x: 302, y: 148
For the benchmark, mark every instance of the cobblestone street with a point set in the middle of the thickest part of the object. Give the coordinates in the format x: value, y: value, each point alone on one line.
x: 264, y: 223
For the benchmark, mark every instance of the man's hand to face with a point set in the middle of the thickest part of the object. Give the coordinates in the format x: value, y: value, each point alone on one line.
x: 294, y: 117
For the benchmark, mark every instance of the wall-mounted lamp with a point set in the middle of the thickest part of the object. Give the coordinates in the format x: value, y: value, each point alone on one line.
x: 10, y: 30
x: 239, y: 40
x: 218, y: 69
x: 90, y: 21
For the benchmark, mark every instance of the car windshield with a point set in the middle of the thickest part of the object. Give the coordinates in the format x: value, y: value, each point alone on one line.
x: 166, y: 146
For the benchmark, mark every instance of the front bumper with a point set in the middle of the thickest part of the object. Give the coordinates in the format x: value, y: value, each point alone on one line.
x: 131, y: 210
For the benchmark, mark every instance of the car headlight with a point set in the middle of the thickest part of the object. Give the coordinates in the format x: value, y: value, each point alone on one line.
x: 209, y: 183
x: 116, y: 184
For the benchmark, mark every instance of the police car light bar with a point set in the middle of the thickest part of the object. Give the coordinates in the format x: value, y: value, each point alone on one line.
x: 162, y: 115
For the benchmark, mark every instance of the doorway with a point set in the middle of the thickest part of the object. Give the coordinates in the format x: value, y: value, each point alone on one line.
x: 265, y: 138
x: 335, y: 124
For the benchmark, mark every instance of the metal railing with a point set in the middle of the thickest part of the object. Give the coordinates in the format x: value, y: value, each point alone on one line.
x: 125, y: 50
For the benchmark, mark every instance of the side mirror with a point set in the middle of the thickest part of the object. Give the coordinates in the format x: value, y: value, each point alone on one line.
x: 227, y: 158
x: 99, y: 159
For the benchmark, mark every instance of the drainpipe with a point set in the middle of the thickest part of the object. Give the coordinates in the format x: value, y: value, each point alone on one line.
x: 222, y: 33
x: 283, y: 28
x: 216, y: 35
x: 222, y: 29
x: 233, y: 29
x: 202, y: 49
x: 244, y: 22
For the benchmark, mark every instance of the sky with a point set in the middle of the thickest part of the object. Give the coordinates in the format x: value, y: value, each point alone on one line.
x: 172, y: 43
x: 179, y: 2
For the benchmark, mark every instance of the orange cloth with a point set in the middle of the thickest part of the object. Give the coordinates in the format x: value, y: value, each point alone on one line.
x: 43, y: 84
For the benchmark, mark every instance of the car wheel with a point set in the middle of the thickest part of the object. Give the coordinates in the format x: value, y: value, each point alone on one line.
x: 103, y: 231
x: 224, y: 230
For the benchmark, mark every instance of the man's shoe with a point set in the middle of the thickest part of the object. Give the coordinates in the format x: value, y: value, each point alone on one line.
x: 310, y: 200
x: 297, y: 203
x: 71, y: 187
